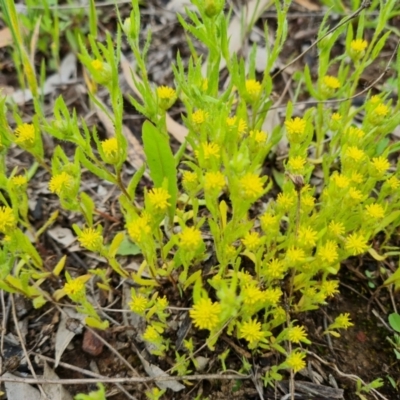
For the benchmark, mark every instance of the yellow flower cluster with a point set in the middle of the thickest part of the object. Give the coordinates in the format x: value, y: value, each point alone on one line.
x: 7, y: 219
x: 158, y: 198
x: 190, y: 238
x: 205, y: 314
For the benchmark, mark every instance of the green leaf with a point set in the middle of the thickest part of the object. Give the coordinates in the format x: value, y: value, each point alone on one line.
x: 161, y: 161
x: 127, y: 248
x: 394, y: 321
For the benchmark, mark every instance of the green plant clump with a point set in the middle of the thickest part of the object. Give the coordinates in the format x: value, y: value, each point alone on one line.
x: 269, y: 253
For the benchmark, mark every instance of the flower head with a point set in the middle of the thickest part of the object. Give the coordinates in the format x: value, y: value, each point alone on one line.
x: 252, y: 241
x: 375, y: 211
x: 251, y: 331
x: 214, y: 181
x: 296, y: 128
x: 258, y: 136
x: 151, y: 334
x: 358, y: 45
x: 74, y: 287
x: 330, y: 288
x: 138, y: 303
x: 139, y: 228
x: 295, y: 360
x: 19, y: 180
x: 393, y: 182
x: 25, y: 135
x: 91, y: 239
x: 210, y: 150
x: 252, y: 186
x: 252, y: 294
x: 189, y: 180
x: 340, y: 180
x: 343, y: 321
x: 110, y: 147
x: 294, y: 255
x: 380, y: 164
x: 97, y: 65
x: 61, y: 182
x: 336, y: 117
x: 307, y: 236
x: 381, y: 110
x: 356, y: 244
x: 205, y: 314
x: 296, y: 163
x: 166, y: 96
x: 275, y: 269
x: 286, y: 200
x: 268, y: 220
x: 331, y: 82
x: 328, y: 252
x: 297, y: 334
x: 158, y: 198
x: 199, y: 116
x: 190, y: 238
x: 355, y: 153
x: 272, y: 295
x: 7, y: 219
x: 355, y: 133
x: 337, y: 228
x: 253, y: 89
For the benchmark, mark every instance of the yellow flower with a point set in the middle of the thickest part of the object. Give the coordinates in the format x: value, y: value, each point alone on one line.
x: 286, y: 200
x: 356, y: 244
x: 190, y: 238
x: 267, y: 221
x: 340, y: 180
x: 355, y: 132
x: 295, y: 126
x: 337, y: 228
x: 205, y: 314
x: 296, y: 361
x: 380, y: 164
x: 166, y: 93
x: 138, y: 228
x: 158, y: 198
x: 328, y: 252
x: 355, y: 194
x: 331, y: 82
x: 393, y: 182
x: 19, y: 180
x: 375, y: 99
x: 199, y: 116
x: 330, y: 288
x: 214, y: 181
x: 375, y: 211
x: 231, y: 121
x: 210, y: 150
x: 275, y: 269
x: 252, y: 241
x: 242, y: 127
x: 343, y: 321
x: 110, y: 147
x: 25, y: 134
x: 97, y: 65
x: 7, y: 219
x: 307, y: 201
x: 294, y: 255
x: 356, y: 177
x: 336, y: 117
x: 91, y: 239
x: 381, y: 110
x: 297, y: 334
x: 162, y: 303
x: 253, y: 89
x: 61, y: 182
x: 258, y: 136
x: 151, y: 334
x: 251, y: 331
x: 189, y: 180
x: 252, y: 294
x: 296, y: 163
x: 358, y: 45
x: 307, y: 236
x: 74, y: 287
x: 272, y: 295
x: 355, y: 153
x: 252, y: 186
x: 138, y: 304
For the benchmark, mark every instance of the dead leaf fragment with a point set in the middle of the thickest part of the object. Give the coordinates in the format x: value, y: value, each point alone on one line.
x: 19, y: 391
x: 5, y: 37
x: 54, y: 391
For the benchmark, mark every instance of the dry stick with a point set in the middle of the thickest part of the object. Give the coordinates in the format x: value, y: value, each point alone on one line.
x: 354, y: 378
x: 21, y: 340
x: 364, y: 5
x: 83, y: 371
x: 145, y: 380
